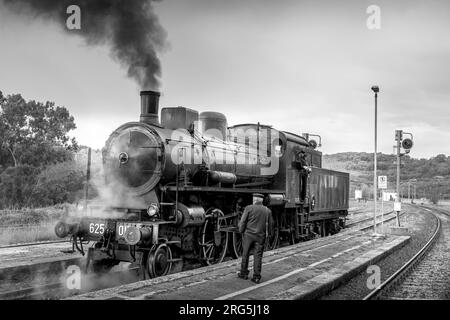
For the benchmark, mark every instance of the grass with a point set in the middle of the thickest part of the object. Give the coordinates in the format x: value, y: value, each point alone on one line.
x: 10, y: 217
x: 26, y: 234
x: 30, y: 224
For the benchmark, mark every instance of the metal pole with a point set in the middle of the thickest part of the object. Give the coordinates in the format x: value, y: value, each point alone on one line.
x: 409, y: 191
x: 398, y: 176
x: 375, y: 170
x: 415, y: 196
x: 88, y: 178
x: 382, y: 211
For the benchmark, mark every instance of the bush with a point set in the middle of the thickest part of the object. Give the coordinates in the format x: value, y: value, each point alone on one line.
x: 59, y: 183
x: 28, y: 186
x: 17, y: 185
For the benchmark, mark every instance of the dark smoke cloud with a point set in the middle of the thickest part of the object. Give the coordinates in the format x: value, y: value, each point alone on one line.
x: 129, y: 27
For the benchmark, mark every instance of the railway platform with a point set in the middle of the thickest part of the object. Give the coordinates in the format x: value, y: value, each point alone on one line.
x: 303, y: 271
x: 28, y: 255
x: 31, y: 258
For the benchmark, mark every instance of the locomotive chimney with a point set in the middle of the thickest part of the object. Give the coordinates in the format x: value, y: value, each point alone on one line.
x: 149, y: 107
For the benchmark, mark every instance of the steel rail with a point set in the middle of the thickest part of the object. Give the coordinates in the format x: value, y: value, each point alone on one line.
x: 29, y: 292
x: 392, y: 280
x: 29, y: 244
x: 38, y: 290
x: 367, y: 219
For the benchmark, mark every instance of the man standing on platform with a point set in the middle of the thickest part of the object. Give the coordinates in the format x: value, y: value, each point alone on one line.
x: 254, y: 227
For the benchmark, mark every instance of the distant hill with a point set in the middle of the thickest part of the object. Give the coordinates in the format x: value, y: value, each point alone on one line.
x: 432, y: 175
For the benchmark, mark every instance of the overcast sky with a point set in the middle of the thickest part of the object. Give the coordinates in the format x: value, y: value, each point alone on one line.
x: 301, y: 66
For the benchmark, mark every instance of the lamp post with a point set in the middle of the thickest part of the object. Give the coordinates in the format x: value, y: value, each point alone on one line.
x: 375, y: 89
x: 398, y: 136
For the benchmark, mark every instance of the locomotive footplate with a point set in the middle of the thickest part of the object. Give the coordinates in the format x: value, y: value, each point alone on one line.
x: 219, y: 189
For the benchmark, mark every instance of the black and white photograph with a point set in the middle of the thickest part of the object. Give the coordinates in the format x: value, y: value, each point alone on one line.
x: 203, y: 151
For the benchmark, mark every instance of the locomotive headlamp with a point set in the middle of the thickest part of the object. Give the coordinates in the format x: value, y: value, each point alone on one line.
x: 152, y: 210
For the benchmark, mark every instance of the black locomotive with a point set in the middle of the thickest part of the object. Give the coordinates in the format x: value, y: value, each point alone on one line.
x: 181, y: 185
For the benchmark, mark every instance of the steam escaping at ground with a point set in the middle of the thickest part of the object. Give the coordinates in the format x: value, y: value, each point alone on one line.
x: 130, y: 28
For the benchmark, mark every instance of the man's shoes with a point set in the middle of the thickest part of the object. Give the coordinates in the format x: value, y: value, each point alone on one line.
x: 242, y: 276
x: 256, y: 280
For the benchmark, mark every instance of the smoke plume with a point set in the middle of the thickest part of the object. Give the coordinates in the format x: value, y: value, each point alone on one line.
x: 130, y: 28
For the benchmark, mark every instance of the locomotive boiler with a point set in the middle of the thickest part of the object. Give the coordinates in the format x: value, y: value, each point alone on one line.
x: 180, y: 183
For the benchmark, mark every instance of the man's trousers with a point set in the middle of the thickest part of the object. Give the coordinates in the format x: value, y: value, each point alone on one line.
x: 250, y: 241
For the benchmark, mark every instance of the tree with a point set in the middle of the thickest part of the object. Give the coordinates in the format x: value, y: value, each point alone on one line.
x: 16, y: 186
x: 34, y: 133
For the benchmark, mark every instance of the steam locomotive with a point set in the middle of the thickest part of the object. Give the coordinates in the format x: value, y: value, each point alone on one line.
x: 180, y: 186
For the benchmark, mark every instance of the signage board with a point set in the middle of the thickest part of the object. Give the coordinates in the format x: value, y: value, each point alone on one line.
x: 382, y: 182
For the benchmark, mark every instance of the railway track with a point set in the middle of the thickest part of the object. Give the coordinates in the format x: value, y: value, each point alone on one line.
x: 368, y: 219
x: 30, y: 293
x: 422, y: 262
x: 57, y: 289
x: 33, y: 243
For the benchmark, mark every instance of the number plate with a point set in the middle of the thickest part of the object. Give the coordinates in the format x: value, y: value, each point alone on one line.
x: 96, y: 228
x: 121, y: 228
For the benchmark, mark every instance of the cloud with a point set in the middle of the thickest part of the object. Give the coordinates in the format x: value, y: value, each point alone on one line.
x: 300, y: 66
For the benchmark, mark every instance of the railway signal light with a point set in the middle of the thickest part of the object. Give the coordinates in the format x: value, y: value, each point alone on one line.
x: 407, y: 144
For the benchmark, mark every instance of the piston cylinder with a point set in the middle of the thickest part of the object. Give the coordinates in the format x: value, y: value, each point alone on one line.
x: 190, y: 216
x: 134, y: 235
x: 63, y: 229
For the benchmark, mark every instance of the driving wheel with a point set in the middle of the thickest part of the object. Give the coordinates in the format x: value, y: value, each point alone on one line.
x: 159, y: 260
x: 213, y: 242
x: 272, y: 239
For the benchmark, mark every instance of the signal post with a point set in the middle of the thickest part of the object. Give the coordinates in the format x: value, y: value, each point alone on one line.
x: 406, y: 144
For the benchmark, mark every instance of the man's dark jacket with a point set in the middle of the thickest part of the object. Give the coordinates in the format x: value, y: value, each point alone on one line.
x: 254, y: 220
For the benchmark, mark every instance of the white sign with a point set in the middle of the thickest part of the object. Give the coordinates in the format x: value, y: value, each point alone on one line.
x: 389, y: 196
x: 382, y: 182
x: 397, y: 206
x: 358, y: 194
